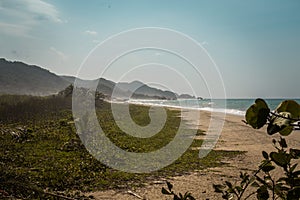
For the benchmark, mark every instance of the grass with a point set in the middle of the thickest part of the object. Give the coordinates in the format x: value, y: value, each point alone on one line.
x: 40, y: 149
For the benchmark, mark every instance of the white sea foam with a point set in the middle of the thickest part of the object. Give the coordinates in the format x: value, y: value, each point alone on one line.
x: 180, y: 105
x: 223, y: 110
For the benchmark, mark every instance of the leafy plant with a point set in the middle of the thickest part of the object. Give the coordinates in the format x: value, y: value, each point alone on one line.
x: 280, y: 120
x: 287, y: 187
x: 179, y: 196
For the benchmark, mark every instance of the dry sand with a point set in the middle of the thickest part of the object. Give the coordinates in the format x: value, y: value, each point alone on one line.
x: 235, y: 135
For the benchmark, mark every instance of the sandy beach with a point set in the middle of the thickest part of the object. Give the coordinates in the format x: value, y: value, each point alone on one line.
x: 235, y: 135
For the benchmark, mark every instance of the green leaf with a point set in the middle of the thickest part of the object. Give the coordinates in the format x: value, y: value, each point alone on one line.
x: 257, y: 114
x: 290, y: 106
x: 295, y: 153
x: 189, y: 196
x: 245, y: 178
x: 265, y: 155
x: 176, y: 198
x: 281, y: 159
x: 293, y: 167
x: 227, y: 196
x: 170, y: 186
x: 282, y: 179
x: 280, y: 124
x: 296, y: 173
x: 228, y: 184
x: 286, y: 131
x: 262, y: 193
x: 181, y: 196
x: 294, y: 193
x: 164, y: 191
x: 282, y: 142
x: 255, y: 184
x: 281, y: 190
x: 239, y: 189
x: 267, y: 167
x: 219, y: 188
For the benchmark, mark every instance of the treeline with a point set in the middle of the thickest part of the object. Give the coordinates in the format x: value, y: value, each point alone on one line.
x: 14, y: 108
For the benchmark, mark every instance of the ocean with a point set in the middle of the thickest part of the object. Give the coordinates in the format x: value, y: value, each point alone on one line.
x: 229, y: 106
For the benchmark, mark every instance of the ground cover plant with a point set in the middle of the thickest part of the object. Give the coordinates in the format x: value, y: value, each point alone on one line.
x: 41, y: 156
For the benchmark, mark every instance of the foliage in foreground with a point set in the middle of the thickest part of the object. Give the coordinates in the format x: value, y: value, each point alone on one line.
x: 286, y: 187
x: 285, y: 159
x: 179, y: 196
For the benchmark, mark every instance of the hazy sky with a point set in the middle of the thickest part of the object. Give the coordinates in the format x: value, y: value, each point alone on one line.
x: 255, y: 44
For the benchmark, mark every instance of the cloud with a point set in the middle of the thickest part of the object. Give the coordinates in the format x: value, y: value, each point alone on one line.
x: 204, y: 43
x: 22, y: 15
x: 93, y: 33
x: 30, y: 9
x: 13, y: 29
x: 62, y: 56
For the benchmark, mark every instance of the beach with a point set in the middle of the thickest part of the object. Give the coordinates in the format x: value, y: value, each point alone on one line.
x: 235, y: 135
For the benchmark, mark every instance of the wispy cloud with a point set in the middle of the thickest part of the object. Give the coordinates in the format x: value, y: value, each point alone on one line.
x: 93, y: 33
x: 13, y: 29
x: 204, y: 43
x: 61, y: 55
x: 20, y: 16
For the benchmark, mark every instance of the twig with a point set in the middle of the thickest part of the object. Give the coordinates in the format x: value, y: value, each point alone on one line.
x: 134, y: 194
x: 254, y: 175
x: 57, y: 195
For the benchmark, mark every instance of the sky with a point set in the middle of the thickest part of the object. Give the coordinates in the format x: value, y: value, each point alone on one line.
x: 254, y: 46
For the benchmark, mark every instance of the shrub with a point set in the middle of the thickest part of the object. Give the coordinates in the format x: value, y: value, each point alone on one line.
x: 281, y: 120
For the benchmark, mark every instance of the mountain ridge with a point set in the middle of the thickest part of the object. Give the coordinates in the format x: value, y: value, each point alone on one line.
x: 20, y: 78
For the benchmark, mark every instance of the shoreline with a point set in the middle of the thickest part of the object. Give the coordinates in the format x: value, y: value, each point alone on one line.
x: 235, y: 136
x: 207, y: 109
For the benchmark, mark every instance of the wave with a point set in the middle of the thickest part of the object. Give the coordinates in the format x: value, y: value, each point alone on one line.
x: 170, y: 104
x: 223, y: 110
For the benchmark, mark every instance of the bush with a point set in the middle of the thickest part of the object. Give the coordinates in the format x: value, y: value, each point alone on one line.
x: 281, y: 121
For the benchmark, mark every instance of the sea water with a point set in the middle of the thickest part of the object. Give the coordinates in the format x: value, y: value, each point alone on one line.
x: 229, y: 106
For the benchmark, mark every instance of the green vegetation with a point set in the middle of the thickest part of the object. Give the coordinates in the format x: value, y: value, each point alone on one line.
x: 41, y: 156
x: 267, y: 186
x: 179, y: 196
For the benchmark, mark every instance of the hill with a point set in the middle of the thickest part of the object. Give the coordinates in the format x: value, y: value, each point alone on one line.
x: 23, y: 79
x: 141, y: 90
x: 20, y: 78
x: 124, y: 89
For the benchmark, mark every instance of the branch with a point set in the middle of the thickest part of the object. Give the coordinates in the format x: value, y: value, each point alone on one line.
x: 277, y: 115
x: 250, y: 195
x: 254, y: 175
